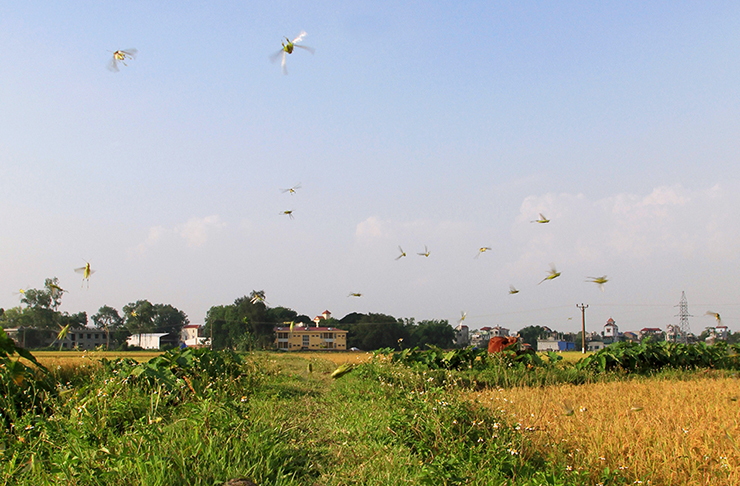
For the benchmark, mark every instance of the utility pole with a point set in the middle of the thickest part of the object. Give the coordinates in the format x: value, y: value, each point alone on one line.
x: 583, y: 308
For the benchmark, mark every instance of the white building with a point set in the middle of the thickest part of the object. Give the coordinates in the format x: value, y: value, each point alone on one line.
x: 153, y: 340
x: 193, y: 337
x: 611, y: 331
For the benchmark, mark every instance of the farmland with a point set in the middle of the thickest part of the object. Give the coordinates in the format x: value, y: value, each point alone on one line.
x: 200, y: 417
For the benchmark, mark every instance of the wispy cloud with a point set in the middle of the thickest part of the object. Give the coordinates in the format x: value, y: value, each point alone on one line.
x: 155, y: 234
x: 669, y: 222
x: 372, y: 227
x: 197, y: 230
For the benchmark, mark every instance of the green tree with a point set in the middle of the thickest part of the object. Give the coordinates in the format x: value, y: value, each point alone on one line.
x: 169, y: 319
x: 373, y: 331
x: 139, y: 316
x: 281, y: 314
x: 530, y: 334
x: 143, y: 317
x: 431, y: 332
x: 255, y: 312
x: 224, y: 326
x: 109, y: 320
x: 246, y: 323
x: 17, y: 317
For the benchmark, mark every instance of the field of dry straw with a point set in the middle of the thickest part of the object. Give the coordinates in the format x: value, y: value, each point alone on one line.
x: 671, y: 431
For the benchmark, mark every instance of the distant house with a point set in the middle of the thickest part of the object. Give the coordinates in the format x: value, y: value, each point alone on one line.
x: 480, y: 337
x: 650, y: 332
x: 611, y: 331
x: 595, y: 345
x: 721, y: 332
x: 674, y: 334
x: 77, y: 338
x: 193, y: 336
x: 462, y: 337
x: 499, y: 331
x: 326, y: 315
x: 153, y: 340
x: 84, y: 338
x: 717, y: 333
x: 552, y: 344
x: 630, y: 336
x: 305, y: 338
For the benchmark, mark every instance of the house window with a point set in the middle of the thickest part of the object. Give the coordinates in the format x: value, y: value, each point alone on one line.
x: 89, y: 336
x: 305, y: 341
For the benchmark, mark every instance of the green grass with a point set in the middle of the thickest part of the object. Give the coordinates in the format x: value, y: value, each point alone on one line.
x: 203, y: 419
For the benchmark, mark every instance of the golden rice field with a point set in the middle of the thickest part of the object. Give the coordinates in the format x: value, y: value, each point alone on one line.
x: 669, y: 431
x: 78, y: 358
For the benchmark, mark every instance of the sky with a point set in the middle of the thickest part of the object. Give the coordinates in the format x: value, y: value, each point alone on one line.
x: 445, y: 125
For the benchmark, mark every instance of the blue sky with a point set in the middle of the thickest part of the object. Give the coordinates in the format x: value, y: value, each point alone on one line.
x: 446, y: 124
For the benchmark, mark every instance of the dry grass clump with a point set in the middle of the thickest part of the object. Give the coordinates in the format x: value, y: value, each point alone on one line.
x: 669, y: 432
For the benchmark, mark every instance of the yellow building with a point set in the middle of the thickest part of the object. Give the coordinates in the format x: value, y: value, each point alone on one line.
x: 303, y: 338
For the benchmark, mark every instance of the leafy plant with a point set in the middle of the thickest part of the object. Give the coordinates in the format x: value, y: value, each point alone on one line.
x: 650, y: 356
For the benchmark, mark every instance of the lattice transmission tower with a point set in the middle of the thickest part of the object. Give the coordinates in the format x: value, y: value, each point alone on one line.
x: 683, y: 317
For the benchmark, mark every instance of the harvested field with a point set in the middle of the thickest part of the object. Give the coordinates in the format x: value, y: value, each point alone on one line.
x: 673, y: 432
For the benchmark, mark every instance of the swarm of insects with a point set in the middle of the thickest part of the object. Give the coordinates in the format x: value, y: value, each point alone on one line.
x: 121, y: 56
x: 288, y: 49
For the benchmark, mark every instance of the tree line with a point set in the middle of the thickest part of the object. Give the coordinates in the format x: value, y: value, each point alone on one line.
x: 248, y: 323
x: 39, y: 310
